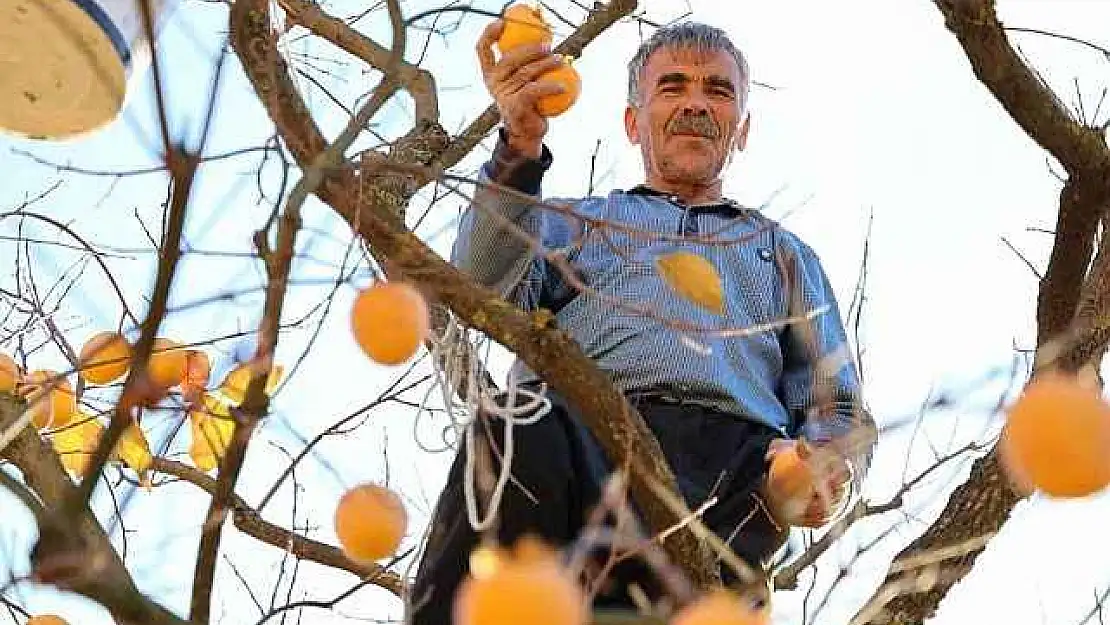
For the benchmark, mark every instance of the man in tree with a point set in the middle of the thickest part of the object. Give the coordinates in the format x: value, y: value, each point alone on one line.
x: 721, y: 409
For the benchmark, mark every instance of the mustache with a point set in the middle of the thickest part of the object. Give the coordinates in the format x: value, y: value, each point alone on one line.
x: 694, y: 123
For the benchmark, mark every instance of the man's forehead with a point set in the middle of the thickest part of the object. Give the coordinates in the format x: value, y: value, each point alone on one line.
x: 692, y: 61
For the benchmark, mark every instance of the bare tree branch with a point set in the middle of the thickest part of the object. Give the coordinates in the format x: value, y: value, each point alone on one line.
x: 547, y: 350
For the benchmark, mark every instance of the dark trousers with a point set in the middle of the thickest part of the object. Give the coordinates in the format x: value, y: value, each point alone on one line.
x: 564, y: 467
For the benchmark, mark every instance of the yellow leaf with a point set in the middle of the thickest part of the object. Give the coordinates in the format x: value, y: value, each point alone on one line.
x: 211, y: 432
x: 693, y: 278
x: 234, y: 386
x: 76, y: 442
x: 134, y: 450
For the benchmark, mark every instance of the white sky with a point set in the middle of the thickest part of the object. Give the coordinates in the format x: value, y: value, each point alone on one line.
x: 874, y: 110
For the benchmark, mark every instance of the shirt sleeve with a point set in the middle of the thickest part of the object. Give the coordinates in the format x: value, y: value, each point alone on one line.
x: 820, y: 383
x: 489, y: 246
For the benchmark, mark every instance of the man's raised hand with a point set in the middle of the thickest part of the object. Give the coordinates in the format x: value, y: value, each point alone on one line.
x: 513, y: 81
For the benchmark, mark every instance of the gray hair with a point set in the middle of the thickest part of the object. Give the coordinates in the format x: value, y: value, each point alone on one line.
x: 689, y: 35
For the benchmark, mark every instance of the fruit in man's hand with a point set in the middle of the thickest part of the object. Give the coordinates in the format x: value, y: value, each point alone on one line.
x: 1057, y: 438
x: 370, y: 522
x: 524, y: 25
x: 390, y: 321
x: 793, y: 482
x: 559, y: 103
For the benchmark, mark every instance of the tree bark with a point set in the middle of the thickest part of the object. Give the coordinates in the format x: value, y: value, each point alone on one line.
x: 1072, y: 303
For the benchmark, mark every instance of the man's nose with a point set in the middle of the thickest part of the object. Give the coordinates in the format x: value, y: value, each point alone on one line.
x: 697, y: 102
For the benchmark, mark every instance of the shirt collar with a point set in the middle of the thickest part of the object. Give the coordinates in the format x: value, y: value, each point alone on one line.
x: 726, y: 207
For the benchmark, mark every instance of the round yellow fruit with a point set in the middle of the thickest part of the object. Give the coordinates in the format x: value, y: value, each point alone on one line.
x: 526, y: 586
x: 559, y: 103
x: 105, y: 358
x: 390, y: 321
x: 720, y: 607
x: 167, y: 364
x: 524, y: 25
x: 370, y: 522
x: 1057, y: 438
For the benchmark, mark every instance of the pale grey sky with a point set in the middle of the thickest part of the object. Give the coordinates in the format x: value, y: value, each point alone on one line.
x: 874, y: 109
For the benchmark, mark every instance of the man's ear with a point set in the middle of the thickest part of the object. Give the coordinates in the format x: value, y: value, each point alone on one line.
x: 630, y: 125
x: 741, y: 140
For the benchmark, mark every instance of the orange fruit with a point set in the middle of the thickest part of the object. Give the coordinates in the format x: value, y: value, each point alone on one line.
x: 197, y: 370
x: 10, y: 374
x: 390, y: 321
x: 47, y: 619
x: 557, y: 104
x: 105, y: 358
x: 370, y: 522
x: 54, y: 411
x: 720, y: 607
x: 524, y: 24
x: 793, y: 479
x: 1057, y: 438
x: 526, y: 586
x: 166, y: 366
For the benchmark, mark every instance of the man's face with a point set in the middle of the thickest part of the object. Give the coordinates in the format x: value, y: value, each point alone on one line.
x: 689, y: 119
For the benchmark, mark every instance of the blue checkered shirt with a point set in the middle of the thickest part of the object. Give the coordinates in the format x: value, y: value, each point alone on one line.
x: 768, y: 274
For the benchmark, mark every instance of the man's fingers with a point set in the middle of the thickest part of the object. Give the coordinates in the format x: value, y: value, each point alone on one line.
x: 535, y: 69
x: 515, y: 59
x: 484, y: 47
x: 539, y: 89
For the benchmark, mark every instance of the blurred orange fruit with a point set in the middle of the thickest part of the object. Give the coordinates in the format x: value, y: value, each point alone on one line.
x: 46, y: 619
x: 793, y: 479
x: 197, y: 370
x: 524, y: 25
x: 1057, y: 438
x: 525, y: 586
x: 390, y: 321
x: 166, y: 367
x: 721, y: 607
x: 370, y: 522
x: 10, y: 374
x: 50, y: 399
x: 105, y: 358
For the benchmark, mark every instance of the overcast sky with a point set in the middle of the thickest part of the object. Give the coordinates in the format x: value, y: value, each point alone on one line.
x: 870, y: 108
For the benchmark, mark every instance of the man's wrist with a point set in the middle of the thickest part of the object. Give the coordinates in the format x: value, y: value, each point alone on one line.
x: 517, y: 170
x: 526, y: 147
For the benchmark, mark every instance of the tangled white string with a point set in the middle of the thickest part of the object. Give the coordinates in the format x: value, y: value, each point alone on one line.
x: 449, y: 370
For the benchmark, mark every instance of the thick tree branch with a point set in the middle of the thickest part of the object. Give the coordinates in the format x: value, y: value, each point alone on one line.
x: 278, y: 268
x: 1028, y: 100
x: 418, y: 81
x: 1073, y: 317
x: 547, y: 350
x: 75, y: 554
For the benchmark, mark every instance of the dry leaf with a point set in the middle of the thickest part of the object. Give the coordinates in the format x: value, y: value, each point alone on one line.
x: 234, y: 386
x: 694, y: 278
x: 211, y: 428
x: 134, y: 450
x: 76, y: 442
